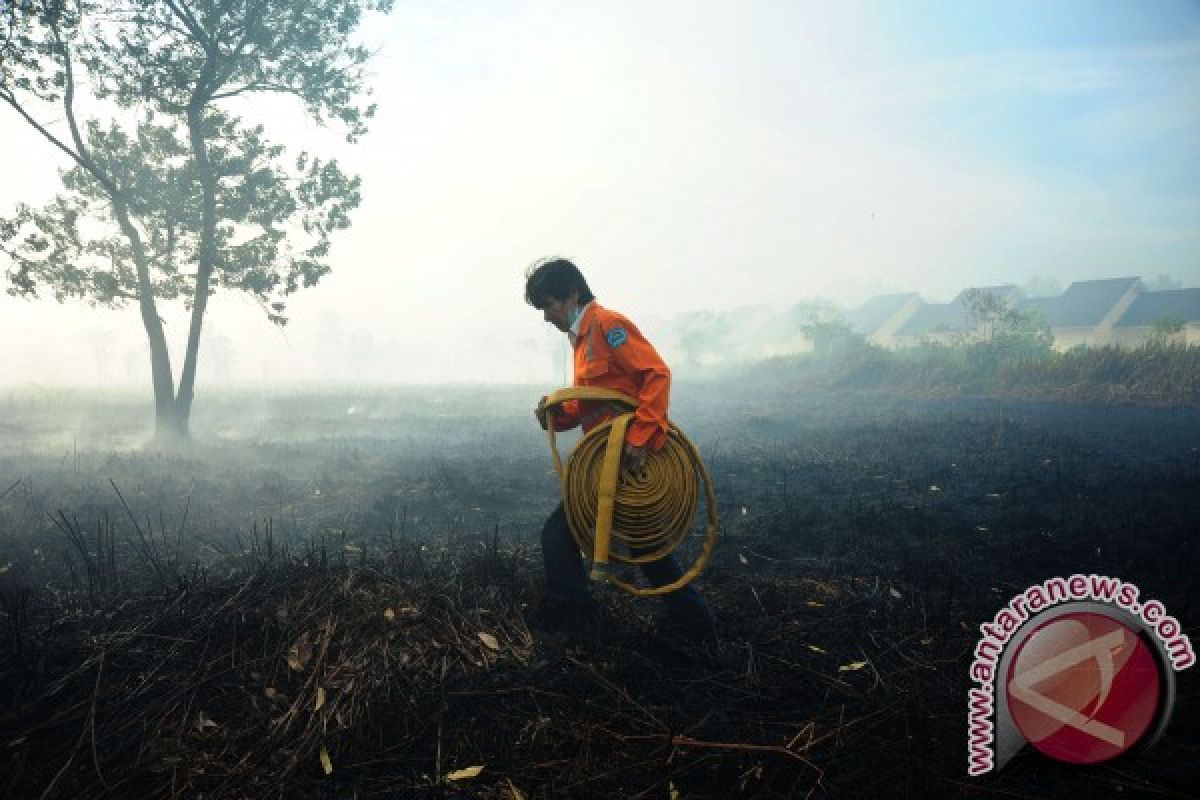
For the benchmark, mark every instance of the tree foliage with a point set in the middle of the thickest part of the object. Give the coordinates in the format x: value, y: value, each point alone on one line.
x: 272, y: 239
x: 1166, y: 330
x: 992, y: 320
x: 832, y: 336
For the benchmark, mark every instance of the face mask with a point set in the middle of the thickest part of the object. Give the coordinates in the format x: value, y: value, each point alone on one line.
x: 573, y: 316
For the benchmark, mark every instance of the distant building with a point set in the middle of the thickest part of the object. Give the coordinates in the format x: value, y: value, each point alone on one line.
x: 1115, y: 311
x: 880, y: 317
x: 1149, y: 309
x: 946, y: 323
x: 1087, y: 312
x: 1111, y: 312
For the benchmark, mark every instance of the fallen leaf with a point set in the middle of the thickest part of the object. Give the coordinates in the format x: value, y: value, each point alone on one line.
x: 742, y: 559
x: 326, y: 761
x: 463, y: 774
x: 388, y: 614
x: 852, y: 666
x: 489, y: 640
x: 270, y: 693
x: 514, y: 792
x: 894, y: 592
x: 203, y: 722
x: 299, y: 653
x: 815, y: 649
x: 320, y: 701
x: 673, y: 791
x: 815, y: 604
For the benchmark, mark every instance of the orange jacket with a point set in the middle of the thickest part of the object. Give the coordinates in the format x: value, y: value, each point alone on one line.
x: 611, y: 353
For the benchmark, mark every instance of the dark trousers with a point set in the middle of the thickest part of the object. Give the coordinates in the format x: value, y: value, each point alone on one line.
x: 566, y: 580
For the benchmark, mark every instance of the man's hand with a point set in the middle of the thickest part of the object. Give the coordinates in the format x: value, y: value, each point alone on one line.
x: 634, y: 458
x: 540, y: 412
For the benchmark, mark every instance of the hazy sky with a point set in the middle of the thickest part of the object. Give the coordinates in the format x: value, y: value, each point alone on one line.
x: 694, y: 155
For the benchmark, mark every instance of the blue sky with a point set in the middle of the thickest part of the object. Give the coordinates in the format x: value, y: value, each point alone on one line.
x: 1112, y: 93
x: 711, y: 154
x: 975, y: 27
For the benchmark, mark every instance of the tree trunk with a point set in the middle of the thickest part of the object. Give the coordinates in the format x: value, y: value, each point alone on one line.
x: 166, y: 421
x: 204, y: 269
x: 167, y: 427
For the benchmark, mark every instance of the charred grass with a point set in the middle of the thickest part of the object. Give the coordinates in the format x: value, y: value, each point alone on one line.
x: 345, y: 609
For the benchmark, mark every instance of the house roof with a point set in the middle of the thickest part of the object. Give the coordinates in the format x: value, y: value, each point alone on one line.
x: 932, y: 317
x: 952, y: 316
x: 1083, y: 304
x: 1150, y: 307
x: 869, y: 317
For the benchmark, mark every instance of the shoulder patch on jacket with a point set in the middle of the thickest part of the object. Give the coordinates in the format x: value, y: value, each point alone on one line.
x: 616, y: 337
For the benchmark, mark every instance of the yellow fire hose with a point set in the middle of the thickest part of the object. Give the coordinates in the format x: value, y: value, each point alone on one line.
x: 650, y: 514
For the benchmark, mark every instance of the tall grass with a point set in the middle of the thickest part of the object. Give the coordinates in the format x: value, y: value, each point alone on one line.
x: 1012, y: 366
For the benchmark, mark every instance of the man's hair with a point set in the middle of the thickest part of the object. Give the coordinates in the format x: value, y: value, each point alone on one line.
x: 554, y: 278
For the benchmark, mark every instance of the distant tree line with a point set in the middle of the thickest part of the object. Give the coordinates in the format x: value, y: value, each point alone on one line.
x: 1001, y: 352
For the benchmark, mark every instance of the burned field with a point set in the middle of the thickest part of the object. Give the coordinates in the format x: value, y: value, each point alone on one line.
x: 333, y: 594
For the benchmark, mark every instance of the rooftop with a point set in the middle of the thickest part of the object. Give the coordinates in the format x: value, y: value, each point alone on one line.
x: 934, y: 317
x: 879, y: 309
x: 1083, y: 304
x: 1150, y: 307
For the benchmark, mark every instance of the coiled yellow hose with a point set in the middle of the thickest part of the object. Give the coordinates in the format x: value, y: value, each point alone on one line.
x: 651, y: 513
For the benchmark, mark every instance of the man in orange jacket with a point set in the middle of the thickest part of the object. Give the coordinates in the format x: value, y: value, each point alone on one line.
x: 610, y: 353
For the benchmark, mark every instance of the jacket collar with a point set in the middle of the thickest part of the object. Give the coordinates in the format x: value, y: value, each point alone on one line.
x: 584, y: 323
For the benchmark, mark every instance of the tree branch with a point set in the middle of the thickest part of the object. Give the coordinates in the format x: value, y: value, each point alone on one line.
x: 81, y: 153
x: 255, y: 87
x: 7, y: 96
x: 184, y: 14
x: 224, y: 75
